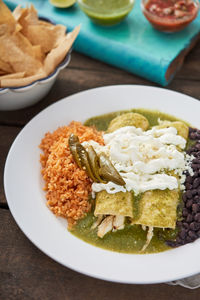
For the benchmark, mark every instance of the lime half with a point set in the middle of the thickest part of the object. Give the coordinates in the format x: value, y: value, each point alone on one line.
x: 62, y: 3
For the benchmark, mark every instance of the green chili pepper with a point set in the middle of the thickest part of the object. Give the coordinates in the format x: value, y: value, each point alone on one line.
x: 108, y: 172
x: 83, y: 155
x: 99, y: 169
x: 73, y: 141
x: 94, y: 164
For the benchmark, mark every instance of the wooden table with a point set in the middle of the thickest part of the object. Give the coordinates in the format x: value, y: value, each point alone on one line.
x: 27, y: 273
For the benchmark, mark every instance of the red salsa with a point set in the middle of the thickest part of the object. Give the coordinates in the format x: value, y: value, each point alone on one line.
x: 170, y: 15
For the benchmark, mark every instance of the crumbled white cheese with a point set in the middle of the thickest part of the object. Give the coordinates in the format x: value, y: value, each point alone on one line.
x: 142, y: 157
x: 188, y: 168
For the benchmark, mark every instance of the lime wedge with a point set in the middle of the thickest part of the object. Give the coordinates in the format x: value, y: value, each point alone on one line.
x: 62, y: 3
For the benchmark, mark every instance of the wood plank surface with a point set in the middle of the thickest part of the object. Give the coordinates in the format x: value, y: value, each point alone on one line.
x: 7, y: 136
x: 27, y: 273
x: 85, y: 73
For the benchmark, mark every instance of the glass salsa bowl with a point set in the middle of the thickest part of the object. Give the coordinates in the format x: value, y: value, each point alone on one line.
x: 106, y: 12
x: 170, y: 15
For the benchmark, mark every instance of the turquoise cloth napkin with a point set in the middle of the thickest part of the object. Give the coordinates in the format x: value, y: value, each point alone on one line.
x: 132, y: 45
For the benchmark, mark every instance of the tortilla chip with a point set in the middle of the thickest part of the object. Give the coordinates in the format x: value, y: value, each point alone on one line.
x: 158, y: 208
x: 19, y: 53
x: 21, y: 81
x: 22, y: 59
x: 5, y: 67
x: 118, y: 204
x: 48, y: 37
x: 18, y: 27
x: 18, y: 12
x: 38, y: 53
x: 7, y: 17
x: 32, y: 16
x: 2, y: 72
x: 13, y: 76
x: 23, y: 43
x: 56, y: 56
x: 181, y: 127
x: 45, y: 23
x: 28, y: 17
x: 128, y: 119
x: 4, y: 28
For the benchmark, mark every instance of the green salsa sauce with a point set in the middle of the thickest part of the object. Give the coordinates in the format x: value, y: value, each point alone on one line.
x: 132, y: 238
x: 106, y: 12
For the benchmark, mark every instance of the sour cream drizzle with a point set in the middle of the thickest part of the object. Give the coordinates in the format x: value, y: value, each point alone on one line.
x: 142, y: 158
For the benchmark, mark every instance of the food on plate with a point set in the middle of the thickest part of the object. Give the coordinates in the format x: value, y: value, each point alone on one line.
x: 106, y: 12
x: 170, y: 15
x: 126, y: 181
x: 31, y: 48
x: 182, y: 129
x: 128, y: 119
x: 68, y: 187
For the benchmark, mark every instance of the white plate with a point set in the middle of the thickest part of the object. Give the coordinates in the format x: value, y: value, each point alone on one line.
x: 26, y: 199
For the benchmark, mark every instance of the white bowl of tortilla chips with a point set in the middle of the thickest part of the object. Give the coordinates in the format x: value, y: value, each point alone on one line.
x: 32, y: 53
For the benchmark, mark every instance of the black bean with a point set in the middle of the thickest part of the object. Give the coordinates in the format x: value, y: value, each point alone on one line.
x: 179, y: 223
x: 197, y: 135
x: 196, y: 198
x: 197, y: 146
x: 191, y: 129
x: 195, y: 208
x: 197, y: 226
x: 182, y: 242
x: 188, y: 186
x: 170, y: 243
x: 192, y: 234
x: 198, y: 191
x: 188, y: 239
x: 184, y: 197
x: 188, y: 194
x: 195, y: 161
x: 196, y: 174
x: 182, y: 234
x: 198, y: 233
x: 193, y: 153
x: 189, y: 179
x: 185, y: 212
x: 194, y: 149
x: 178, y: 239
x: 193, y: 135
x: 186, y: 226
x: 194, y: 226
x: 197, y: 217
x: 189, y: 203
x: 196, y: 183
x: 189, y: 218
x: 196, y: 167
x: 194, y: 192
